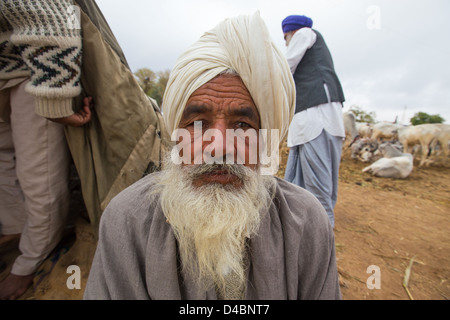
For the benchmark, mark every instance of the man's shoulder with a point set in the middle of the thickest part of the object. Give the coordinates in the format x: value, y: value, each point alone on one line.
x: 138, y: 201
x: 145, y: 185
x: 293, y: 193
x: 298, y: 205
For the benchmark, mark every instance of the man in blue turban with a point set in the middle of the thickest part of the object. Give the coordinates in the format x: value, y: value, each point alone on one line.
x: 317, y: 131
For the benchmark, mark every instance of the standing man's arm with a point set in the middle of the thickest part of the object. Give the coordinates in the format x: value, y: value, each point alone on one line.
x: 52, y: 50
x: 301, y: 41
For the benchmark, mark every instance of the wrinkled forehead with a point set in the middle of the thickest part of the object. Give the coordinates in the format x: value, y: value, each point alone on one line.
x: 225, y: 90
x: 224, y: 86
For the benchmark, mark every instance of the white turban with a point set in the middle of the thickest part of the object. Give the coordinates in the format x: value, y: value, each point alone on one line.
x: 244, y: 45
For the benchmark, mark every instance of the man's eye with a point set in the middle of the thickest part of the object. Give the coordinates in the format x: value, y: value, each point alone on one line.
x: 197, y: 123
x: 243, y: 125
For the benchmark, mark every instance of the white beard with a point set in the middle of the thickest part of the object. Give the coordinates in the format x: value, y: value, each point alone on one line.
x: 213, y: 221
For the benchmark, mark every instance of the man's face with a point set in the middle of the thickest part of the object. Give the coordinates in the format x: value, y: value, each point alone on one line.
x: 222, y: 104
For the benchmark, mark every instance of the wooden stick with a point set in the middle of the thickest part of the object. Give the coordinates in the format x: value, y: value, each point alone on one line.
x: 406, y: 278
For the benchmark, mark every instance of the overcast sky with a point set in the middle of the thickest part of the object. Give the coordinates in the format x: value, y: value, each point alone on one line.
x: 392, y: 57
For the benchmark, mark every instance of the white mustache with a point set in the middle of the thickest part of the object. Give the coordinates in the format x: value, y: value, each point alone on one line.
x: 196, y: 171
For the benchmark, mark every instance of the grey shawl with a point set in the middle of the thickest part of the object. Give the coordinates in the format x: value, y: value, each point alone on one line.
x: 292, y: 257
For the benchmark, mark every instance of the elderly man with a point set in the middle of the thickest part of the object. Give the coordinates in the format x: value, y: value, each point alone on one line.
x: 203, y: 229
x: 317, y: 130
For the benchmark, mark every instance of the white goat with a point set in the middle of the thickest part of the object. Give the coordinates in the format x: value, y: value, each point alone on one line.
x: 351, y: 133
x: 364, y: 129
x: 443, y: 138
x: 394, y: 163
x: 384, y: 131
x: 422, y: 134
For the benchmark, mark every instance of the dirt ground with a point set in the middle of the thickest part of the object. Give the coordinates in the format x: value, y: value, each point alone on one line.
x: 399, y: 227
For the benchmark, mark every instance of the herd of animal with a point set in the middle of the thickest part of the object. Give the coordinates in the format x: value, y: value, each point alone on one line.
x: 391, y: 148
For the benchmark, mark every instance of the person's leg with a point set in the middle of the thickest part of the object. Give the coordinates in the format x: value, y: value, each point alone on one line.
x: 336, y: 153
x: 293, y: 172
x: 12, y: 210
x: 317, y: 168
x: 42, y: 164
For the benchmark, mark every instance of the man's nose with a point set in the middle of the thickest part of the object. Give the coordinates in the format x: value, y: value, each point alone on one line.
x: 218, y: 143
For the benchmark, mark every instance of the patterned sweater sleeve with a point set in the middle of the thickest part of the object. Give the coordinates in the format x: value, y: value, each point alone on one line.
x: 47, y: 41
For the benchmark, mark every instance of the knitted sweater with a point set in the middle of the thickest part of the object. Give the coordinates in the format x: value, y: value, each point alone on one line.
x: 38, y: 39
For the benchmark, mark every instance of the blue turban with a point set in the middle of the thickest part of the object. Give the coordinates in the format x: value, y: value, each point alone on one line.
x: 296, y: 22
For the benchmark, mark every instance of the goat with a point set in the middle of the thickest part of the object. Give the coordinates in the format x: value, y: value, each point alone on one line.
x: 350, y: 128
x: 443, y: 138
x: 364, y: 129
x: 364, y: 149
x: 423, y: 134
x: 384, y: 131
x: 394, y: 164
